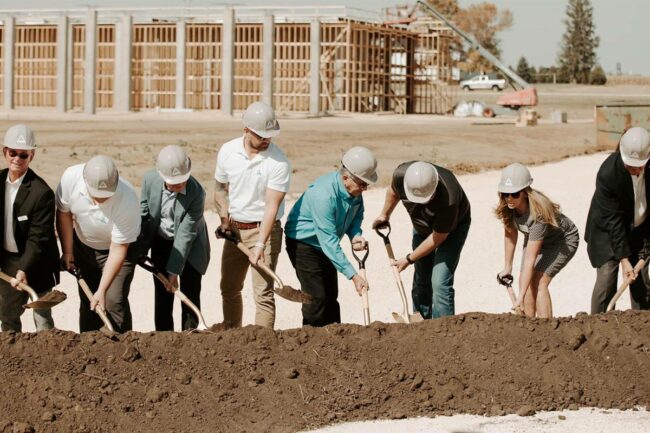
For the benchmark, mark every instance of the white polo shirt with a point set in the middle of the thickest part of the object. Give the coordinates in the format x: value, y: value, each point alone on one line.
x: 248, y: 179
x: 97, y: 225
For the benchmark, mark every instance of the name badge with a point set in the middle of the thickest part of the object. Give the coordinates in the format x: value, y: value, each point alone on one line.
x: 22, y: 218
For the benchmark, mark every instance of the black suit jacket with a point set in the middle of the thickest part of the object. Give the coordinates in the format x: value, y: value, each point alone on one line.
x: 610, y: 223
x: 33, y: 220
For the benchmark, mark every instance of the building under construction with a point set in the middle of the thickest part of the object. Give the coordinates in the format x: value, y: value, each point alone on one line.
x: 303, y: 59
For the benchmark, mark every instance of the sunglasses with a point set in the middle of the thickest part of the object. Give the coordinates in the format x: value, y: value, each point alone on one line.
x: 361, y: 184
x: 505, y: 195
x: 21, y: 155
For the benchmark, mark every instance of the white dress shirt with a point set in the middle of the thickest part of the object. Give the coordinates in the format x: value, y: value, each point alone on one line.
x: 11, y: 190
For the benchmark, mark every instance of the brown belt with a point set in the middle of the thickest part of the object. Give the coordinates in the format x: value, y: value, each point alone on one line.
x: 245, y: 226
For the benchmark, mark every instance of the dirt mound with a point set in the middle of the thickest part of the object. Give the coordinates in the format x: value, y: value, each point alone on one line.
x: 254, y: 379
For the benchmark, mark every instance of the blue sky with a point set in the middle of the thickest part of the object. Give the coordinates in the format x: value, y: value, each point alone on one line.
x: 621, y: 24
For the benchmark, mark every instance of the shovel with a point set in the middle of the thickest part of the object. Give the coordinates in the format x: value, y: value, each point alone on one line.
x: 286, y: 292
x: 362, y: 272
x: 147, y: 264
x: 626, y: 282
x: 107, y: 329
x: 405, y: 317
x: 49, y: 300
x: 506, y: 281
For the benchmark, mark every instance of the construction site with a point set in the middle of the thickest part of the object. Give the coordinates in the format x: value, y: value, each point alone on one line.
x: 126, y: 82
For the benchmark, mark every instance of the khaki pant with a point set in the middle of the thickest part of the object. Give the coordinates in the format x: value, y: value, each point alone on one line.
x: 234, y: 266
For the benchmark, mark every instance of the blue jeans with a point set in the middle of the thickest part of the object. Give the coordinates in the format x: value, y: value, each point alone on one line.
x: 433, y: 282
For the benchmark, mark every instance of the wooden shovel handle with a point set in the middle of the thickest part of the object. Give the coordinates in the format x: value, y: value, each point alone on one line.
x: 22, y: 286
x: 262, y: 265
x: 99, y: 310
x: 626, y: 282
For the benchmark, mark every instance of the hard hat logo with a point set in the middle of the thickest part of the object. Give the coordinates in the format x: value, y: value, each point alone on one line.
x: 270, y: 124
x: 508, y: 182
x: 634, y: 154
x: 102, y: 185
x: 175, y: 171
x: 21, y: 140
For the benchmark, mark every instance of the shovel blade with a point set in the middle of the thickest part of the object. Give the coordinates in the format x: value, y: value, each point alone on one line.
x: 293, y: 295
x: 415, y: 318
x: 51, y: 299
x: 398, y: 318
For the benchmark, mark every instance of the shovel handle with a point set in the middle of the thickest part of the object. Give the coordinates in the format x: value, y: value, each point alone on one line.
x: 22, y: 286
x: 361, y: 260
x: 383, y: 235
x: 626, y: 282
x: 89, y: 294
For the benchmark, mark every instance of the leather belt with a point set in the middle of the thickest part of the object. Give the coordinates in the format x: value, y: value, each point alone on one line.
x: 245, y: 226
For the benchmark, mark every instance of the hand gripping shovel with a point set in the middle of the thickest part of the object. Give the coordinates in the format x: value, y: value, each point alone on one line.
x: 362, y: 271
x: 626, y: 282
x: 405, y: 317
x: 147, y: 264
x: 108, y: 326
x: 286, y: 292
x: 49, y: 300
x: 506, y: 281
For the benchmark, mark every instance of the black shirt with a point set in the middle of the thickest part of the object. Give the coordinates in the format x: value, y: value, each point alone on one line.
x: 447, y: 209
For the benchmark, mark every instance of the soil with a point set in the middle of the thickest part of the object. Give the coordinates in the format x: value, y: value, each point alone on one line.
x: 255, y: 379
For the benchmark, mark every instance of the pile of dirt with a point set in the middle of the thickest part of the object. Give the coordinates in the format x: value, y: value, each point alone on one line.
x: 254, y: 379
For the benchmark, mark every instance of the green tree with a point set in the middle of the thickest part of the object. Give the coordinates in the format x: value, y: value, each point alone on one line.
x: 578, y: 48
x: 523, y: 70
x: 598, y: 76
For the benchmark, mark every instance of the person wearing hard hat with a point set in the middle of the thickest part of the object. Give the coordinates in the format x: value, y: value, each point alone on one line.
x: 550, y: 239
x: 29, y: 251
x: 331, y: 207
x: 172, y: 204
x: 440, y: 213
x: 97, y: 218
x: 252, y: 177
x: 618, y: 227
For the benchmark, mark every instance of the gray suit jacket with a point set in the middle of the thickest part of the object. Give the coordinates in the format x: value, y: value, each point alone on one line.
x: 191, y: 242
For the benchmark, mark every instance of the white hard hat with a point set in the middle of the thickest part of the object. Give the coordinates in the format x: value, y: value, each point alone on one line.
x: 260, y: 118
x: 420, y: 182
x: 173, y: 165
x: 635, y: 147
x: 20, y: 137
x: 101, y: 177
x: 361, y: 162
x: 515, y: 177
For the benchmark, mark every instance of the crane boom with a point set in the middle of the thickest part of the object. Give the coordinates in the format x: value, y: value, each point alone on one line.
x: 512, y: 76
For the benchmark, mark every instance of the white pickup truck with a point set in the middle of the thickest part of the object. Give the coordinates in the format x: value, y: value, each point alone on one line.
x: 482, y: 82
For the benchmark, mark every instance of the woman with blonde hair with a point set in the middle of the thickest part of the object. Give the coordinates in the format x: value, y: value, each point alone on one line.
x: 550, y: 238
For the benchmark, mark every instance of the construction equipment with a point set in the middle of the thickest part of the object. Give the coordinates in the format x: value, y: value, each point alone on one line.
x: 108, y: 328
x: 405, y: 317
x: 49, y: 300
x: 626, y: 282
x: 147, y: 264
x: 286, y: 292
x: 506, y: 280
x: 526, y: 96
x: 362, y: 272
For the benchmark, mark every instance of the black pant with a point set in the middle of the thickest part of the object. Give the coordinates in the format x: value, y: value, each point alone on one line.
x: 190, y: 285
x: 91, y: 264
x: 317, y: 276
x: 605, y: 287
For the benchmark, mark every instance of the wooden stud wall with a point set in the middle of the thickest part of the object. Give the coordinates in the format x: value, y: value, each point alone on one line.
x: 2, y: 64
x: 292, y: 67
x: 35, y: 66
x: 105, y: 70
x: 153, y: 66
x: 434, y: 91
x: 248, y: 65
x: 334, y: 66
x: 203, y: 51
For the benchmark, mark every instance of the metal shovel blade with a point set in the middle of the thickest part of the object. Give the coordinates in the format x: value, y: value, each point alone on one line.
x: 291, y: 294
x: 398, y: 318
x: 415, y: 318
x: 51, y: 299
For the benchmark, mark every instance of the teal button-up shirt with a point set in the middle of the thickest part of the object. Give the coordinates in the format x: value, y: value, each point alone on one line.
x: 322, y: 215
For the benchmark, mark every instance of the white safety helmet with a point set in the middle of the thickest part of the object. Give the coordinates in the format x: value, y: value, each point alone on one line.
x: 420, y: 182
x: 101, y: 177
x: 361, y: 162
x: 20, y: 137
x: 635, y: 147
x: 173, y: 165
x: 515, y: 177
x: 260, y: 118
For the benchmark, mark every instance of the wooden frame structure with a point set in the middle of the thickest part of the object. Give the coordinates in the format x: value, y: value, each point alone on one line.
x: 360, y: 65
